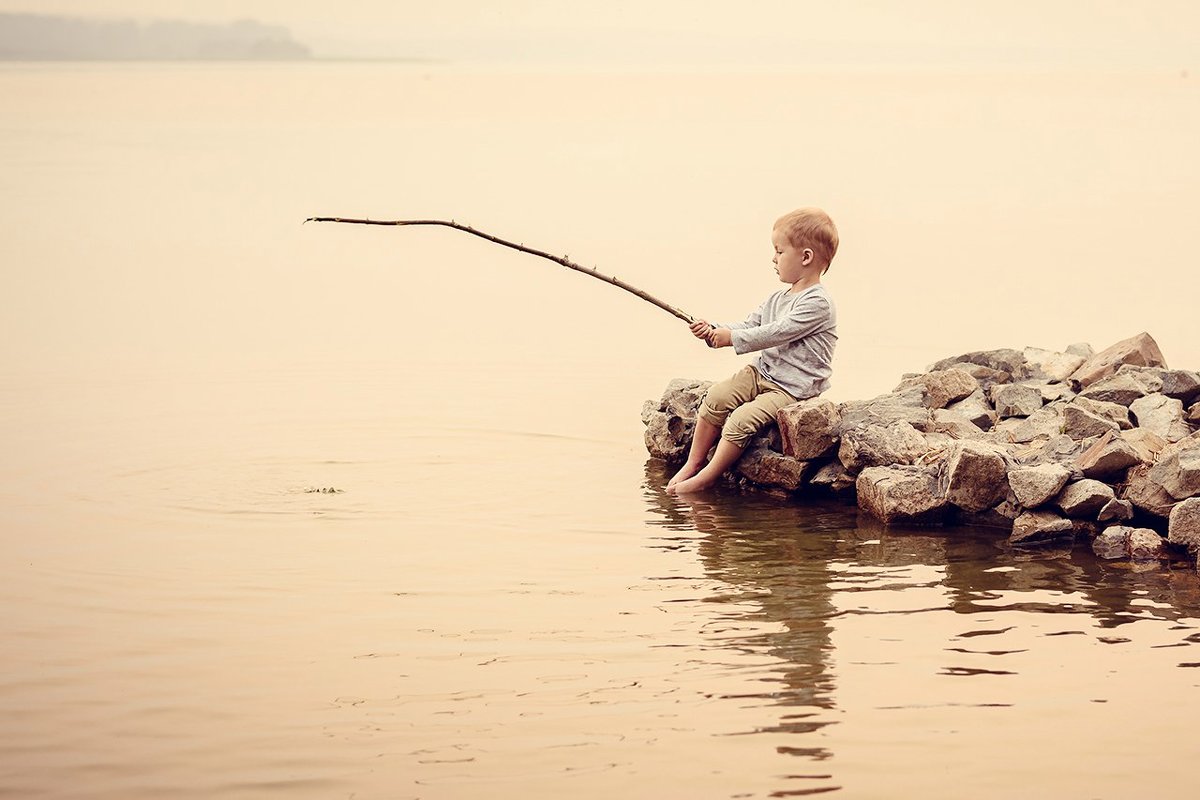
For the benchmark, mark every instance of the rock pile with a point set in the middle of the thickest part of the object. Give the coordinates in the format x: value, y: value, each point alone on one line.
x: 1048, y: 445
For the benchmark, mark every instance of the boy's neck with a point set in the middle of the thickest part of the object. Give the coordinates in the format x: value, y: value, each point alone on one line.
x: 805, y: 283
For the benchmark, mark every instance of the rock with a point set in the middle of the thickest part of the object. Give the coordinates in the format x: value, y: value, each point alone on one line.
x: 886, y: 409
x: 671, y: 421
x: 977, y: 409
x: 1050, y: 364
x: 954, y: 425
x: 765, y: 467
x: 1109, y: 456
x: 1177, y: 469
x: 1116, y: 510
x: 1054, y: 391
x: 1079, y: 423
x: 877, y: 445
x: 808, y: 429
x: 1045, y: 423
x: 975, y: 476
x: 1140, y: 350
x: 1162, y: 415
x: 1112, y: 542
x: 1004, y: 360
x: 1147, y: 443
x: 1147, y: 494
x: 1016, y: 399
x: 1122, y: 388
x: 1145, y: 545
x: 1193, y: 415
x: 1183, y: 527
x: 947, y: 386
x: 1113, y: 412
x: 1120, y: 541
x: 1084, y: 499
x: 832, y: 476
x: 1035, y: 486
x: 1033, y: 527
x: 1082, y: 349
x: 901, y: 494
x: 1181, y: 385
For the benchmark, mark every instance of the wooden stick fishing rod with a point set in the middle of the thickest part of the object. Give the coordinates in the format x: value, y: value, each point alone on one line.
x: 563, y: 260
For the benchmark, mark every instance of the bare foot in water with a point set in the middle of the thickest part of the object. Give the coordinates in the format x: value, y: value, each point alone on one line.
x: 685, y: 472
x: 689, y: 485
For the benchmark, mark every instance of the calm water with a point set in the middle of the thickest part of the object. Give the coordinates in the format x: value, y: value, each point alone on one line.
x: 500, y: 600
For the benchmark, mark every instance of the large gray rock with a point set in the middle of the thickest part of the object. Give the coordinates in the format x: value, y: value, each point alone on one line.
x: 1148, y: 444
x: 1120, y: 541
x: 1162, y: 415
x: 833, y: 477
x: 1183, y: 527
x: 1122, y: 388
x: 1034, y: 527
x: 808, y: 429
x: 879, y: 445
x: 942, y: 387
x: 1182, y: 385
x: 975, y: 476
x: 954, y: 425
x: 1037, y: 485
x: 1178, y: 468
x: 1045, y: 423
x: 1145, y: 545
x: 1113, y: 542
x: 1116, y: 510
x: 1050, y: 364
x: 765, y: 467
x: 976, y: 408
x: 1140, y: 350
x: 1147, y: 494
x: 1084, y: 499
x: 1004, y: 360
x: 1111, y: 455
x: 671, y: 420
x: 1016, y: 399
x: 901, y: 494
x: 1113, y: 412
x: 907, y: 406
x: 1079, y: 423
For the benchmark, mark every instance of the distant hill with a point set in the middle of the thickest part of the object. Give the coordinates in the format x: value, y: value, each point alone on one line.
x: 37, y: 37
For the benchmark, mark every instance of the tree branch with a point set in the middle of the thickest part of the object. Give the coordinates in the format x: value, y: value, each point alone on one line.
x: 649, y: 298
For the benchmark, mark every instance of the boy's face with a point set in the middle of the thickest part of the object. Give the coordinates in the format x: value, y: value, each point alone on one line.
x: 791, y: 263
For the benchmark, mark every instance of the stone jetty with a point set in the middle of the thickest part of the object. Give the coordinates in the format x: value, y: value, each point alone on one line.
x: 1046, y: 445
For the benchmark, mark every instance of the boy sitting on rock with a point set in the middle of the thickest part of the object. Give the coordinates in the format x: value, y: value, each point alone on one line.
x: 794, y: 332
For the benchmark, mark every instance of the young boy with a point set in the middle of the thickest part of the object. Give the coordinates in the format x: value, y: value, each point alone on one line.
x: 794, y: 331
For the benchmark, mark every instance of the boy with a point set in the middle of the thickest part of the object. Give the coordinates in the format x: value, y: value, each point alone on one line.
x: 794, y: 330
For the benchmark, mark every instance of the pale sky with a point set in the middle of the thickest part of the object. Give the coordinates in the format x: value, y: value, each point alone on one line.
x: 1162, y: 33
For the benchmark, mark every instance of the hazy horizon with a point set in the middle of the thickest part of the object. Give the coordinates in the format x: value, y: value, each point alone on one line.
x: 766, y: 33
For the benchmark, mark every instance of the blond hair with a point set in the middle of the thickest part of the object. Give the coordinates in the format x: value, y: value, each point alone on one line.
x: 811, y: 228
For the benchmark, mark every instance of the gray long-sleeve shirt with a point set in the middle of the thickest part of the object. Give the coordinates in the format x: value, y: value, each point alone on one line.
x: 796, y: 334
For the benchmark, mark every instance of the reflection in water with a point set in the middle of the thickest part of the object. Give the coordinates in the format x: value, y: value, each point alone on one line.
x: 793, y: 576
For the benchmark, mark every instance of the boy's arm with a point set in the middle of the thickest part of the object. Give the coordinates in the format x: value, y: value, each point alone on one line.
x: 805, y: 318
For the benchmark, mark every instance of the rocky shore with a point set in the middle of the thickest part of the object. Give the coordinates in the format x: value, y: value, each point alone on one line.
x: 1045, y: 445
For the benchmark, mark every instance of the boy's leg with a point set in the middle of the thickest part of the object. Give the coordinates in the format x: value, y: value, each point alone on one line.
x: 722, y: 397
x: 702, y: 441
x: 743, y: 424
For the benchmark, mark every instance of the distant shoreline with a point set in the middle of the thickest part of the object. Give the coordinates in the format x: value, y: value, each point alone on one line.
x: 43, y: 37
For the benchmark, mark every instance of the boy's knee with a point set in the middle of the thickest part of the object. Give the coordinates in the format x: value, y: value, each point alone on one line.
x: 744, y: 424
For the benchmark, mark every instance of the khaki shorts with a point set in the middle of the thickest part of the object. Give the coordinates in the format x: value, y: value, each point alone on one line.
x: 743, y: 405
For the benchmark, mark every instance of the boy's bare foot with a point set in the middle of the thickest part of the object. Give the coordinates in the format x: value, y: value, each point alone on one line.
x: 685, y: 472
x: 690, y: 485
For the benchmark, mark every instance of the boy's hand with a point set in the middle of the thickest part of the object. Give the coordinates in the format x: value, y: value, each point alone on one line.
x: 701, y: 329
x: 720, y: 337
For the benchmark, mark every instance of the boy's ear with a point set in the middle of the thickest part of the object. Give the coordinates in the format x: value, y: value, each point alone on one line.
x: 806, y: 256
